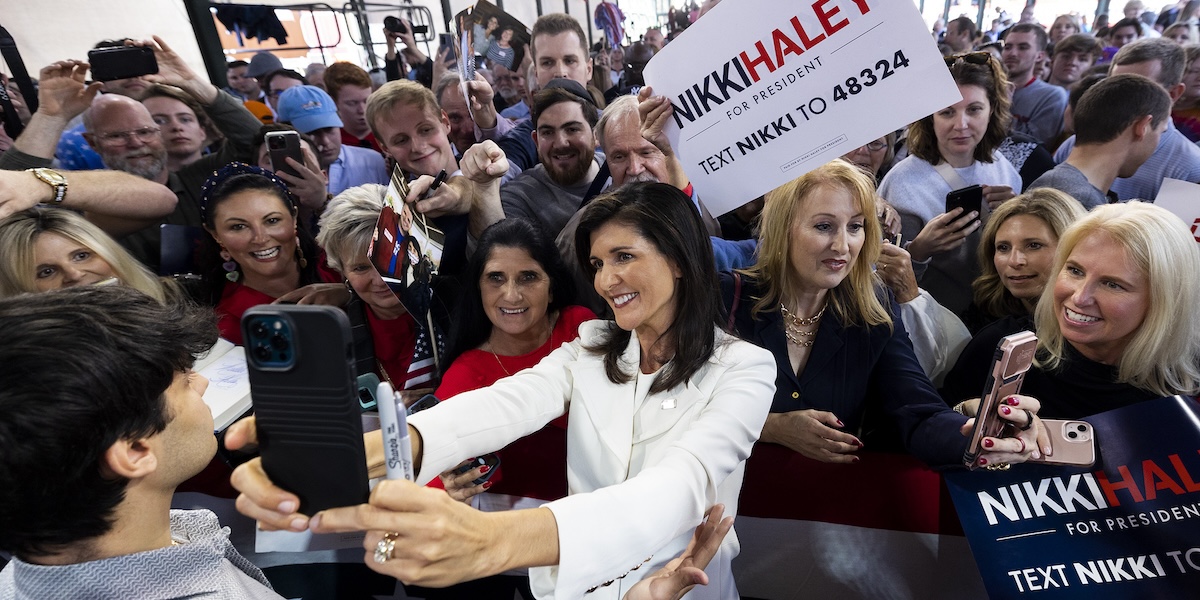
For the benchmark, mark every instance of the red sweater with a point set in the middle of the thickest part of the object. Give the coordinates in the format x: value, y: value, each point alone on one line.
x: 534, y: 466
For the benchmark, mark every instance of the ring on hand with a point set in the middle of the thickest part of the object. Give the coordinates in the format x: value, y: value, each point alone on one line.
x: 1028, y: 420
x: 385, y: 547
x: 998, y: 467
x: 1022, y: 450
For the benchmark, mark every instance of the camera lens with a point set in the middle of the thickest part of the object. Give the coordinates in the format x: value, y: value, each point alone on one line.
x: 258, y: 329
x: 1072, y: 434
x: 262, y: 352
x: 1081, y: 428
x: 279, y: 342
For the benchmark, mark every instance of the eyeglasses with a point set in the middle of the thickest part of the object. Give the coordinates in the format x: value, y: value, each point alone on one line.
x: 974, y: 58
x: 876, y: 145
x: 120, y: 138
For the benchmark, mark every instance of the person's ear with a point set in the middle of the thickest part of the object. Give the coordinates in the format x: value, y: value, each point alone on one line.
x: 1142, y: 127
x: 130, y: 458
x: 1176, y: 91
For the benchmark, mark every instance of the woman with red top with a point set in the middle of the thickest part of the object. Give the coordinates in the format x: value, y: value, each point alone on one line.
x: 514, y: 311
x: 256, y: 251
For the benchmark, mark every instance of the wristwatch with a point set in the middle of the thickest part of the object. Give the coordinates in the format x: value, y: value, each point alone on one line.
x: 54, y: 179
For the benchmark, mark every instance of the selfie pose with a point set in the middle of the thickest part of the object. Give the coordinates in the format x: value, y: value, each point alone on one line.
x: 950, y: 150
x: 658, y: 429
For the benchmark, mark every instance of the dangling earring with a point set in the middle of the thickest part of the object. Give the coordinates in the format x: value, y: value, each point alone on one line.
x: 300, y: 254
x: 230, y: 266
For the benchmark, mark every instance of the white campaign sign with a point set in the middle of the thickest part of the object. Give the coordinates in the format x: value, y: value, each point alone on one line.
x: 1183, y: 199
x: 765, y: 91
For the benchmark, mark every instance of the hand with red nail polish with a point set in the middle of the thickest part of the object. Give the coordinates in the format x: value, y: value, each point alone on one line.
x: 462, y: 486
x: 813, y: 433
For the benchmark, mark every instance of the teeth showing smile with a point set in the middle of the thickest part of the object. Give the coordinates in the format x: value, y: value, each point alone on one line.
x: 623, y: 299
x: 512, y: 311
x: 266, y: 254
x: 1081, y: 318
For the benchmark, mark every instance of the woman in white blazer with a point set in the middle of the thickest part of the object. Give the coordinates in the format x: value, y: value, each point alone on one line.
x: 664, y: 407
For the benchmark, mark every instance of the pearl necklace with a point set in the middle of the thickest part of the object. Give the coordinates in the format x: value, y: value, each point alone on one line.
x: 793, y: 325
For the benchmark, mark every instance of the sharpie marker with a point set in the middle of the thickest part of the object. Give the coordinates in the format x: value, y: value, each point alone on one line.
x: 437, y: 183
x: 393, y: 422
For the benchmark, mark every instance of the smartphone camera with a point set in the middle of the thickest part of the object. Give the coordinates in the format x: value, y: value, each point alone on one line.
x: 270, y: 343
x: 394, y: 25
x: 1077, y: 431
x: 276, y: 143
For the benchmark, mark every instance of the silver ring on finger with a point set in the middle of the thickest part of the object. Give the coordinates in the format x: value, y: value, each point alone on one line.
x: 1028, y: 420
x: 386, y: 547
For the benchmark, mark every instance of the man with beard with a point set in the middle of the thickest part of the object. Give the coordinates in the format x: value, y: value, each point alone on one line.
x: 510, y: 84
x: 549, y: 193
x: 127, y: 138
x: 1037, y: 107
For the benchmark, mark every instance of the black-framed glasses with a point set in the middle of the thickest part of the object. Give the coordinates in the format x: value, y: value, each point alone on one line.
x: 975, y: 58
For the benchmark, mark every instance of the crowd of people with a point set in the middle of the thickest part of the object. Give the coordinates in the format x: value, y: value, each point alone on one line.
x: 621, y: 349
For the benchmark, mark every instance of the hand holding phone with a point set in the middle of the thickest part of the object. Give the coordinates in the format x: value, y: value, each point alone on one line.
x: 1073, y: 442
x: 969, y: 199
x: 1014, y: 356
x: 282, y: 145
x: 305, y: 397
x: 122, y: 62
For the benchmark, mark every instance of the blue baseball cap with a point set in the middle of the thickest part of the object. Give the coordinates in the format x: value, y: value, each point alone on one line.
x: 308, y: 108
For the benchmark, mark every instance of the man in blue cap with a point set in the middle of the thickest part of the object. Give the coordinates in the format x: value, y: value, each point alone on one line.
x: 311, y: 111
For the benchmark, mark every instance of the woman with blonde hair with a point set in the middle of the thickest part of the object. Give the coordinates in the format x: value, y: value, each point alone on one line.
x: 50, y: 248
x: 1108, y: 325
x: 840, y: 349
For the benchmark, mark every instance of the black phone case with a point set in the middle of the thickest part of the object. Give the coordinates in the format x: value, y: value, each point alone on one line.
x: 290, y: 149
x: 308, y: 418
x: 109, y: 64
x: 968, y: 198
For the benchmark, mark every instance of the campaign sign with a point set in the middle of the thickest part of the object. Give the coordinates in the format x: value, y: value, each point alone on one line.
x: 1129, y: 527
x: 764, y: 91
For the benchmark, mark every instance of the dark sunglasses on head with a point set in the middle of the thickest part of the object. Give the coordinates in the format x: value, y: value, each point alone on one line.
x: 974, y: 58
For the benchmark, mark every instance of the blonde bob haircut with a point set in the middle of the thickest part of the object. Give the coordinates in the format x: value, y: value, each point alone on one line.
x: 19, y: 232
x: 1056, y: 209
x: 1164, y: 355
x: 348, y: 224
x: 854, y: 299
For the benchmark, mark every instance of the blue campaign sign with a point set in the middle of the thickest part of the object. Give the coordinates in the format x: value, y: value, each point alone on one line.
x: 1128, y: 527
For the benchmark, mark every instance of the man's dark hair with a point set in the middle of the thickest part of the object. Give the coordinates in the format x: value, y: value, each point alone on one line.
x: 84, y: 367
x: 1169, y: 54
x: 1134, y: 23
x: 964, y: 24
x: 549, y: 96
x: 554, y: 24
x: 1038, y: 31
x: 233, y: 64
x: 1081, y: 43
x: 1081, y: 87
x: 1112, y: 105
x: 288, y: 73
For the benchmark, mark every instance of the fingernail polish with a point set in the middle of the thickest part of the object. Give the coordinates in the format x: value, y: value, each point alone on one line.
x: 1012, y: 401
x: 987, y: 443
x: 840, y: 424
x: 487, y: 484
x: 859, y: 442
x: 856, y: 459
x: 1005, y: 410
x: 484, y: 469
x: 982, y: 461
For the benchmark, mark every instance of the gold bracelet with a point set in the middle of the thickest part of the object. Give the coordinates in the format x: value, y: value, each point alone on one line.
x: 961, y: 408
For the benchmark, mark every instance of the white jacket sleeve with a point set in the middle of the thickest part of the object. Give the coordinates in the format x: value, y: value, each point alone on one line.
x: 938, y: 336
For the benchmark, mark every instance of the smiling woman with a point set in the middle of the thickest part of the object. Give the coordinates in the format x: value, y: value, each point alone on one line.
x: 255, y: 251
x: 1108, y: 326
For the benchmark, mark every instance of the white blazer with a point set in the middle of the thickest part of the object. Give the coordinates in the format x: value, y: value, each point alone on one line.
x: 642, y: 468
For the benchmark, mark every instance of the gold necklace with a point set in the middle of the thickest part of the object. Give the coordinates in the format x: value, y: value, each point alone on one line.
x: 506, y: 373
x: 792, y: 327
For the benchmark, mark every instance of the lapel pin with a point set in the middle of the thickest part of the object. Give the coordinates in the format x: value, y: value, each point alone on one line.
x: 668, y: 404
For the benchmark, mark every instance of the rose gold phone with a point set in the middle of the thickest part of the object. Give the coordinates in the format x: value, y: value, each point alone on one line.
x: 1073, y: 442
x: 1014, y: 356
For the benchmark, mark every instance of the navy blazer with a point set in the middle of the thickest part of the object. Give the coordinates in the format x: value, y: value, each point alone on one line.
x: 852, y: 369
